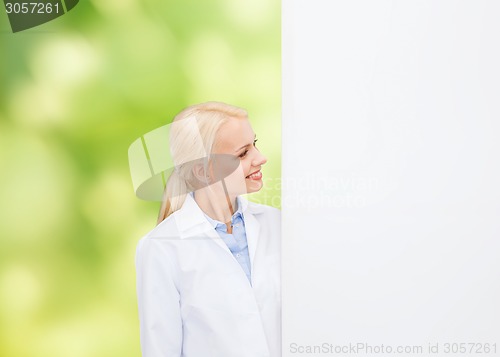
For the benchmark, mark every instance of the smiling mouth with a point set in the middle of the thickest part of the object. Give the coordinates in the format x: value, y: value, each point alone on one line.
x: 257, y: 175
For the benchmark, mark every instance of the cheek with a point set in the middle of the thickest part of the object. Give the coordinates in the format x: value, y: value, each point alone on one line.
x: 236, y: 182
x: 237, y: 175
x: 245, y: 165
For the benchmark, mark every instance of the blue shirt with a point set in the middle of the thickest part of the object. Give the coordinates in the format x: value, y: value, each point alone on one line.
x: 237, y: 241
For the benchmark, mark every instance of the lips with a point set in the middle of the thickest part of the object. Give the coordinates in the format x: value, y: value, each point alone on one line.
x: 257, y: 175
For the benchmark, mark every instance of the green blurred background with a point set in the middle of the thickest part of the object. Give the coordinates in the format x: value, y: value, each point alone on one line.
x: 75, y: 93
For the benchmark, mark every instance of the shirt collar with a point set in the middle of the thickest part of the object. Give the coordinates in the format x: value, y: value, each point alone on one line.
x: 239, y: 212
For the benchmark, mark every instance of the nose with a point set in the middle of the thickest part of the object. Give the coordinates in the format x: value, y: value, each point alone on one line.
x: 259, y: 159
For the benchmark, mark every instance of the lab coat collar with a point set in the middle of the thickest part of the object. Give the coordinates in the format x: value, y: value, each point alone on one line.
x: 214, y: 223
x: 192, y: 224
x: 190, y: 215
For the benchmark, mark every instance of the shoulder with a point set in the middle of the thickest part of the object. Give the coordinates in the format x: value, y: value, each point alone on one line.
x: 166, y: 231
x: 261, y: 210
x: 155, y: 258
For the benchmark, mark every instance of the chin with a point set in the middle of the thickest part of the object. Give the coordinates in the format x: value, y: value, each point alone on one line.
x: 254, y: 187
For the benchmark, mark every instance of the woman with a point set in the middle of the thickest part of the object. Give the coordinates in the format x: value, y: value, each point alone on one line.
x: 208, y: 276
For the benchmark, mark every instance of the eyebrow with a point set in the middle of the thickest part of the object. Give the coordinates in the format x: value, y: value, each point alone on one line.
x: 244, y: 146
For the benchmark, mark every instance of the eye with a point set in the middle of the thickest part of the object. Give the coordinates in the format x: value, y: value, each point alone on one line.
x: 243, y: 154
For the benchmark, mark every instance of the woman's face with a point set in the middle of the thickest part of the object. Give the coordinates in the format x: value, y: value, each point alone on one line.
x: 237, y: 138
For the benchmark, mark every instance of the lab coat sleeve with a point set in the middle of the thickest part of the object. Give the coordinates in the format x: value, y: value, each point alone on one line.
x: 158, y: 301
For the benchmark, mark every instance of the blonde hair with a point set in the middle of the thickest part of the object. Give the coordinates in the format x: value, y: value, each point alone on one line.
x: 197, y: 121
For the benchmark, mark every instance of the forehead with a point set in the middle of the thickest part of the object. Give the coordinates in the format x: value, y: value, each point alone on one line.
x: 233, y: 134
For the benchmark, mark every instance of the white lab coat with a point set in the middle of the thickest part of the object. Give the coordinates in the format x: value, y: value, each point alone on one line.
x: 195, y: 299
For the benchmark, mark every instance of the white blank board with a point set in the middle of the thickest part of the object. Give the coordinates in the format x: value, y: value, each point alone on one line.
x: 391, y: 177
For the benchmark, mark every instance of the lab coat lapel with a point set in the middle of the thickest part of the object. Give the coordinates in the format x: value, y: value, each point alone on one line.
x: 252, y: 227
x: 212, y: 233
x: 193, y: 224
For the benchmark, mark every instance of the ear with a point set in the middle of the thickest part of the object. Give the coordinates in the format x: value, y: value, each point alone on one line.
x: 200, y: 173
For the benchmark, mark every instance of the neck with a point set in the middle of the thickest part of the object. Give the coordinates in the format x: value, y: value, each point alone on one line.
x: 216, y: 203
